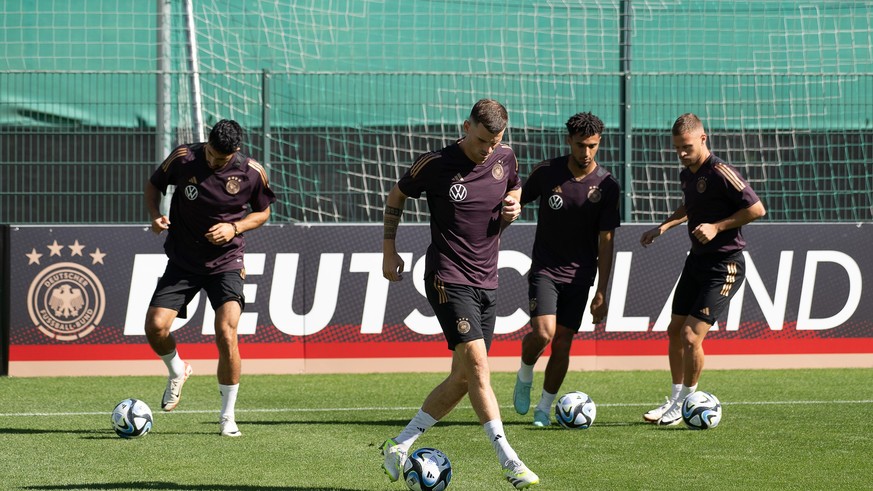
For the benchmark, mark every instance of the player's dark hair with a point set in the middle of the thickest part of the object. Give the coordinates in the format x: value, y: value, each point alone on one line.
x: 687, y: 123
x: 226, y: 136
x: 491, y: 114
x: 584, y: 125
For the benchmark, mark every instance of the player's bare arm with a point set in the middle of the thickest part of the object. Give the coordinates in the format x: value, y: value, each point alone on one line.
x: 605, y: 251
x: 222, y: 233
x: 392, y: 264
x: 159, y: 222
x: 677, y: 218
x: 705, y: 232
x: 511, y: 208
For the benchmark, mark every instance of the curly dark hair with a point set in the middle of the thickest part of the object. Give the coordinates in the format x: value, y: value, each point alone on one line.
x: 585, y: 125
x: 226, y: 136
x: 491, y: 114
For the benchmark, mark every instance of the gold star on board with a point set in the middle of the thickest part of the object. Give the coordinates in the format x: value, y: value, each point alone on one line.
x: 33, y: 257
x: 55, y: 248
x: 76, y: 248
x: 97, y: 256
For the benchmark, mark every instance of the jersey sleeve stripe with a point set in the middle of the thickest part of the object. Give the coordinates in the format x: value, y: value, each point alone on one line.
x: 423, y: 161
x: 731, y: 176
x: 178, y: 153
x: 263, y: 172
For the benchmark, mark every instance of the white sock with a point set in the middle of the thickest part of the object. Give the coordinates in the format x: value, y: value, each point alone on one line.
x: 416, y: 427
x: 674, y: 392
x: 174, y: 364
x: 546, y: 401
x: 525, y: 373
x: 228, y: 400
x: 686, y: 391
x: 494, y: 430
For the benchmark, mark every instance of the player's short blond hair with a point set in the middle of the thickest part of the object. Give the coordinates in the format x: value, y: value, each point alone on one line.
x: 687, y: 123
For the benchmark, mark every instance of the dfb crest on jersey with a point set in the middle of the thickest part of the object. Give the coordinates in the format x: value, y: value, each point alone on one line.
x: 701, y: 185
x: 458, y: 192
x: 497, y: 170
x: 594, y: 194
x: 232, y: 185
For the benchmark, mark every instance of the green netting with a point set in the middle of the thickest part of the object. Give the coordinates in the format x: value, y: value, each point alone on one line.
x: 340, y: 96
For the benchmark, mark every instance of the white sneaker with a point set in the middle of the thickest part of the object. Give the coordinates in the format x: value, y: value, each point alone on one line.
x: 229, y: 427
x: 173, y: 392
x: 395, y: 457
x: 655, y: 414
x: 519, y: 475
x: 672, y: 416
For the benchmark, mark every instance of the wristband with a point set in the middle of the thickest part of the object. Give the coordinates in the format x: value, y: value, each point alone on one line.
x: 235, y: 230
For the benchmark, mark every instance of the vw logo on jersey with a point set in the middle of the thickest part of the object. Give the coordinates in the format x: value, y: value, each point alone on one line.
x: 556, y: 202
x: 191, y: 192
x: 458, y: 192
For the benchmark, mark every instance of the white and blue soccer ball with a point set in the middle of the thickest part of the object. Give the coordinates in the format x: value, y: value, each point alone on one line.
x: 575, y: 410
x: 427, y: 469
x: 701, y: 410
x: 131, y: 418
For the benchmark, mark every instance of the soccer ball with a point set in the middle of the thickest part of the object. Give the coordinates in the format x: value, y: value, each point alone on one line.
x: 575, y: 410
x: 131, y: 418
x: 701, y: 410
x: 427, y: 469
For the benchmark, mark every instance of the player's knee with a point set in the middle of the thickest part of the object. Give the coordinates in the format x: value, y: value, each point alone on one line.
x: 561, y: 345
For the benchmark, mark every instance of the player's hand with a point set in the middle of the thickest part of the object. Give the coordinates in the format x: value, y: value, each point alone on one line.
x: 599, y: 308
x: 511, y: 209
x: 220, y: 233
x: 649, y: 236
x: 392, y: 266
x: 704, y: 232
x: 160, y: 224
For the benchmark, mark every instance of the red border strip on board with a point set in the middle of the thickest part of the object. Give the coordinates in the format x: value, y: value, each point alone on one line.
x: 432, y: 349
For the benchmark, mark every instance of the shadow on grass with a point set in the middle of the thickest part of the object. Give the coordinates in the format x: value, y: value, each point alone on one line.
x: 403, y: 422
x: 557, y: 427
x: 385, y: 422
x: 177, y: 486
x: 32, y: 431
x: 89, y: 434
x: 389, y: 423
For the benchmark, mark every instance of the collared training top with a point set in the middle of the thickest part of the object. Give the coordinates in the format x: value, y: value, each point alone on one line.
x: 204, y: 197
x: 715, y: 192
x: 572, y: 213
x: 464, y: 200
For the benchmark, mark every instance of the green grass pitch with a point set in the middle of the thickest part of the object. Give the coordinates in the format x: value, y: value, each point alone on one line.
x: 782, y: 429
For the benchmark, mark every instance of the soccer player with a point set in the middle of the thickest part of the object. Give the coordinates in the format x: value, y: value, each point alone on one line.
x: 472, y: 189
x: 215, y: 185
x: 717, y: 201
x: 577, y: 218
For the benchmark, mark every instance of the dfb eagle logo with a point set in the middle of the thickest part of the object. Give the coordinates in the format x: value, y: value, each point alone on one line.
x: 66, y: 301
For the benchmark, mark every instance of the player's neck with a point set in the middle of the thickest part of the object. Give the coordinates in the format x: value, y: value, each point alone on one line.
x: 578, y: 170
x: 696, y: 167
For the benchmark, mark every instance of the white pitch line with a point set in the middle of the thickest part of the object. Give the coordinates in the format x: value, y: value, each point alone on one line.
x: 409, y: 408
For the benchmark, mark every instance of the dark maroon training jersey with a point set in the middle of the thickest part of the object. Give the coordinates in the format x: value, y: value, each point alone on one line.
x: 464, y: 201
x: 204, y: 197
x: 715, y: 192
x: 571, y: 215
